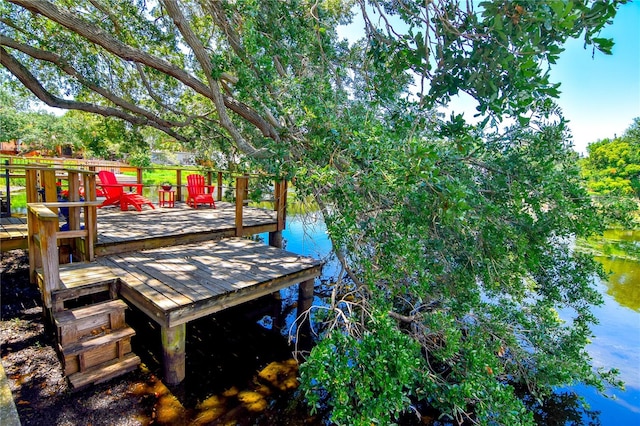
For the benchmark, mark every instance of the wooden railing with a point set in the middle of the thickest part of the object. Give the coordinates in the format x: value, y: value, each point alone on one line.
x: 44, y: 234
x: 43, y: 186
x: 75, y: 163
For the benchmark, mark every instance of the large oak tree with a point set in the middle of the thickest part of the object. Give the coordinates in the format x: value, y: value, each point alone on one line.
x: 455, y: 240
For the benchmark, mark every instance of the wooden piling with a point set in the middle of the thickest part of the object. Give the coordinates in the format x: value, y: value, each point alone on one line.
x: 173, y: 351
x: 305, y: 299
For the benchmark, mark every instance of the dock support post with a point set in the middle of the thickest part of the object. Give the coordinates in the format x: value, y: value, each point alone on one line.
x: 173, y: 351
x: 305, y: 299
x: 219, y: 187
x: 275, y: 239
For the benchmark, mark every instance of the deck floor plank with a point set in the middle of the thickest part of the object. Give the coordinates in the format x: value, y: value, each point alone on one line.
x: 176, y: 277
x: 210, y: 277
x: 141, y: 285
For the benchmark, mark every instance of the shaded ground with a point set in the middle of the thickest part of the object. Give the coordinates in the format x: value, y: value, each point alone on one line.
x: 238, y: 373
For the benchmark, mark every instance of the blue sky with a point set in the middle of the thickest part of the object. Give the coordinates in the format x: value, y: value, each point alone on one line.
x: 600, y: 95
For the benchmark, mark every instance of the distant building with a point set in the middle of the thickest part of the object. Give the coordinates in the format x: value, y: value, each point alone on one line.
x: 11, y: 147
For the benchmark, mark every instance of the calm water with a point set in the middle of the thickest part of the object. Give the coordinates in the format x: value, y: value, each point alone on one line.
x: 617, y: 336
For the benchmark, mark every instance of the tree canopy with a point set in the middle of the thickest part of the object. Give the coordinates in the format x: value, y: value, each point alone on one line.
x: 612, y: 166
x: 455, y: 240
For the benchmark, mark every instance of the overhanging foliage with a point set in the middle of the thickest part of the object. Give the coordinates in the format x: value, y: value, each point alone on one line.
x: 455, y: 240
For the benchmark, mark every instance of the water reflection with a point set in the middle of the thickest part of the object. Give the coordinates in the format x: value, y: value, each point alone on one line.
x: 624, y: 282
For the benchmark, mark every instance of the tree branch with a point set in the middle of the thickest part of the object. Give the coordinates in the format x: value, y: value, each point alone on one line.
x: 31, y: 83
x: 57, y: 60
x: 114, y: 46
x: 215, y: 93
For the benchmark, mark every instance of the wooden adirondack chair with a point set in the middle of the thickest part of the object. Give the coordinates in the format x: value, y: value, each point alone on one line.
x: 199, y: 193
x: 115, y: 193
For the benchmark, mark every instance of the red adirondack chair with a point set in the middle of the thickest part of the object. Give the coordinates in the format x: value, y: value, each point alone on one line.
x: 199, y: 193
x: 115, y: 193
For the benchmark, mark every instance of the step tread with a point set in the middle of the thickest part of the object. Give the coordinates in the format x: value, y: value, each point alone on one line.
x: 92, y: 342
x: 68, y: 316
x: 105, y: 371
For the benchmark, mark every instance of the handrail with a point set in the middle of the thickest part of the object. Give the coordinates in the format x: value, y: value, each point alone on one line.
x: 43, y: 248
x: 279, y: 205
x: 44, y: 233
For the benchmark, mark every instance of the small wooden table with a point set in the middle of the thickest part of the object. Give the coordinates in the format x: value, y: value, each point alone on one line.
x: 166, y: 197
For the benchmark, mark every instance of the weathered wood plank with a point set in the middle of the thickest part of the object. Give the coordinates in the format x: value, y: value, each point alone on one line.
x: 105, y: 371
x: 171, y: 275
x: 155, y: 300
x: 215, y: 275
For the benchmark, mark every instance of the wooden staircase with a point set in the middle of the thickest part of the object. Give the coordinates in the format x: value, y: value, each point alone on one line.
x: 94, y: 342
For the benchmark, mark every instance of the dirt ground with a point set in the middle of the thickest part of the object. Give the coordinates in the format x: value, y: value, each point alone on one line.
x: 251, y: 381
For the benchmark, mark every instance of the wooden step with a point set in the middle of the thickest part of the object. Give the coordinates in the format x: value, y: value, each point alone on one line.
x: 94, y: 350
x: 74, y: 324
x: 82, y: 279
x: 105, y: 371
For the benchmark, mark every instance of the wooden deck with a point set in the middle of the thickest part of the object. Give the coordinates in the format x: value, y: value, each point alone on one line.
x: 120, y: 231
x: 13, y: 233
x: 180, y: 264
x: 177, y: 284
x: 174, y: 264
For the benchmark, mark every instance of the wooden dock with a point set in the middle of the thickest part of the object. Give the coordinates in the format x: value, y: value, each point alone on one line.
x: 174, y: 264
x: 177, y: 284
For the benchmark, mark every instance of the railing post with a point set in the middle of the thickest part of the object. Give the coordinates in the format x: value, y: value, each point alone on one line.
x: 219, y: 189
x: 32, y: 185
x: 280, y: 206
x: 73, y: 187
x: 90, y: 195
x: 7, y: 175
x: 178, y: 185
x: 241, y: 188
x: 34, y: 253
x: 44, y: 241
x: 139, y: 174
x: 48, y: 178
x: 74, y: 195
x: 50, y: 261
x: 90, y: 215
